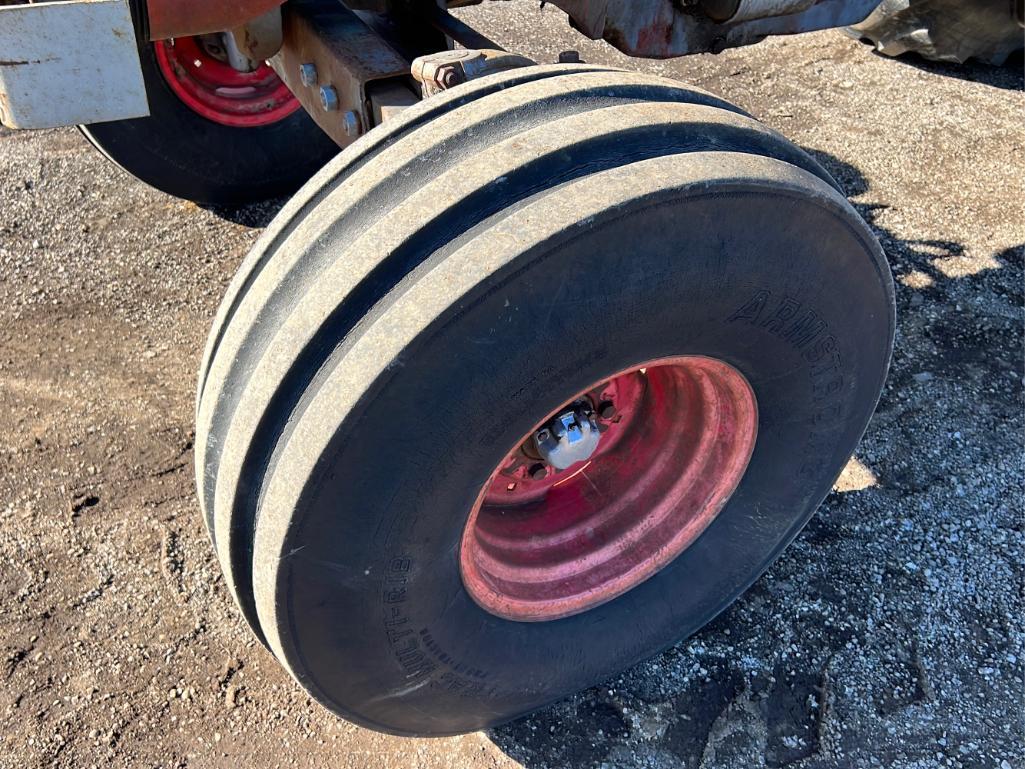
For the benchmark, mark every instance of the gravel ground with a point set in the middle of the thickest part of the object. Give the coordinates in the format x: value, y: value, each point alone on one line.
x: 891, y: 633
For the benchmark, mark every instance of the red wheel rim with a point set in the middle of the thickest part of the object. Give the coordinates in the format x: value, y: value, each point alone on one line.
x: 667, y: 461
x: 212, y: 88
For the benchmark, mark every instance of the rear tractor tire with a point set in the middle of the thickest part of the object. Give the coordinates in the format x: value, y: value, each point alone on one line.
x: 214, y: 136
x: 528, y: 384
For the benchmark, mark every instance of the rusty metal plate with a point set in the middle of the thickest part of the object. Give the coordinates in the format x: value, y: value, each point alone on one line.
x: 328, y: 57
x: 181, y: 18
x: 661, y: 29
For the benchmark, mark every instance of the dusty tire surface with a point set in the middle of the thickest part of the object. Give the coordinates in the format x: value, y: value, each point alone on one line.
x: 371, y: 368
x: 189, y: 156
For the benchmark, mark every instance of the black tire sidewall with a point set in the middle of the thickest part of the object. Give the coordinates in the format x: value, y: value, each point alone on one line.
x: 377, y: 622
x: 184, y: 154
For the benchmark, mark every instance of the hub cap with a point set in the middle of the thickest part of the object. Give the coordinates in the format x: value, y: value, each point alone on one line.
x: 198, y: 73
x: 676, y: 435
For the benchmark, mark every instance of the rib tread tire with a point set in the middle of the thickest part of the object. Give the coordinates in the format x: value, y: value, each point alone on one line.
x: 398, y: 244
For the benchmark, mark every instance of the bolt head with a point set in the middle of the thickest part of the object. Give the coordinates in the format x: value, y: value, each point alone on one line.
x: 328, y: 98
x: 308, y: 74
x: 449, y: 75
x: 351, y: 123
x: 569, y: 57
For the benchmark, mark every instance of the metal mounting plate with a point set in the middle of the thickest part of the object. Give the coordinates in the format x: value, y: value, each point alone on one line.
x: 346, y: 56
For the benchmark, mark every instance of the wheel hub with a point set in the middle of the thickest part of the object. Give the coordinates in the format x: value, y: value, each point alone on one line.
x: 569, y: 438
x: 198, y: 73
x: 596, y: 500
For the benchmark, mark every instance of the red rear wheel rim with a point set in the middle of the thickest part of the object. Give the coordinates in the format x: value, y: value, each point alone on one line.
x: 212, y: 88
x: 667, y: 462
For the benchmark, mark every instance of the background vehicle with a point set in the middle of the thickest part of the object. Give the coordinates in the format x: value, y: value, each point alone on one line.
x: 950, y: 30
x: 534, y: 378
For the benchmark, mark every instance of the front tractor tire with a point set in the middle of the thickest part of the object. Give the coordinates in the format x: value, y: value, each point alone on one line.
x: 214, y: 136
x: 528, y: 384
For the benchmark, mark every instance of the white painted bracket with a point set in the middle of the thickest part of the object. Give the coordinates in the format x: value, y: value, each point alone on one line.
x: 65, y: 63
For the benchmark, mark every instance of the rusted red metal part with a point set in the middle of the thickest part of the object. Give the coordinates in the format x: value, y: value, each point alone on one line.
x: 661, y: 29
x: 181, y: 18
x: 213, y: 89
x: 537, y: 549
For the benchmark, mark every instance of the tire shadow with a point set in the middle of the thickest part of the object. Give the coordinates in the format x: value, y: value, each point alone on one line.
x: 251, y: 215
x: 845, y: 652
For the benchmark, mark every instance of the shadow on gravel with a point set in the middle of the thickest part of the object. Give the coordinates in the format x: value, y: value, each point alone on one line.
x: 251, y: 215
x: 880, y: 636
x: 1009, y: 75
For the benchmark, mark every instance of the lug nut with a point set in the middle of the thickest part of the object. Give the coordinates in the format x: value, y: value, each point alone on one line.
x: 569, y: 57
x: 538, y: 471
x: 328, y: 98
x: 308, y: 74
x: 606, y: 410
